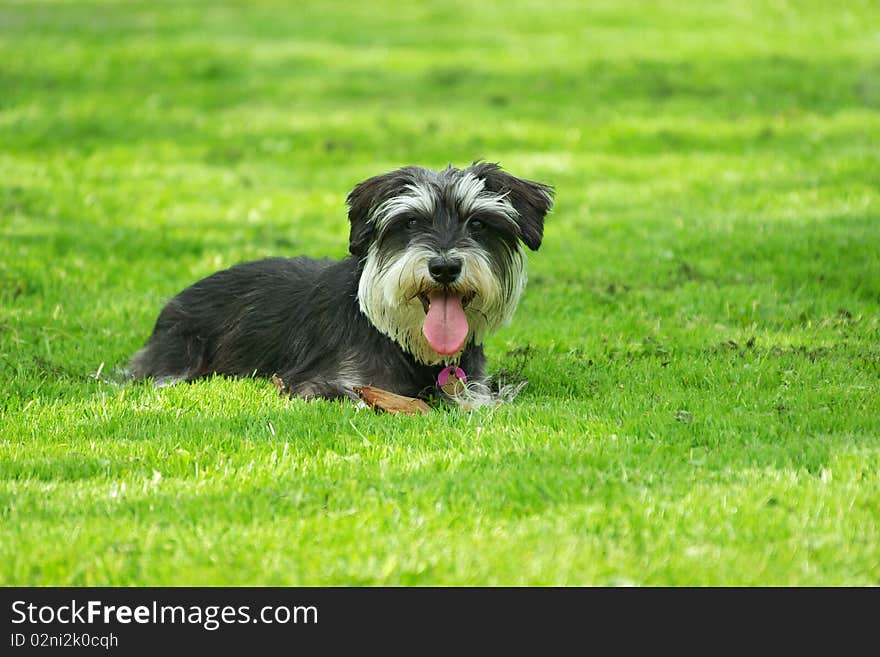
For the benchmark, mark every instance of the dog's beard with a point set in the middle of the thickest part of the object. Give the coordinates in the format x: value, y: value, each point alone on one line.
x: 395, y: 293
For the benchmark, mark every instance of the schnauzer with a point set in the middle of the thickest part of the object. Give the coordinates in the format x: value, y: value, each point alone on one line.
x: 436, y: 264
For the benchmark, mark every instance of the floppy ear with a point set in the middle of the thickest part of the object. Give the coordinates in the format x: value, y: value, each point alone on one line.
x: 531, y: 200
x: 362, y: 202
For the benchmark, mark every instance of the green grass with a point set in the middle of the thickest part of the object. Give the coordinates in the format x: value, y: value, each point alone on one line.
x: 701, y: 331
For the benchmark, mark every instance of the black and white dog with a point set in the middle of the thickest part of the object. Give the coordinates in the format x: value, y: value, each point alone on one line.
x: 436, y: 265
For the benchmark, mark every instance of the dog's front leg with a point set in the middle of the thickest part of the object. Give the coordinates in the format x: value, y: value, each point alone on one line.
x: 313, y: 389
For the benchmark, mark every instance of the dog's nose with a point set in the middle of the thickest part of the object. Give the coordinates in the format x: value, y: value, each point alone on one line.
x: 444, y: 270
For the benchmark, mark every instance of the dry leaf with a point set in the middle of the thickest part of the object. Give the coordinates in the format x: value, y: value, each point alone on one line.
x: 377, y: 398
x: 279, y: 384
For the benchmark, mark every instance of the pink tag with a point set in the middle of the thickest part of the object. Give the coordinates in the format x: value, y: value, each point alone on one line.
x: 443, y: 377
x: 451, y: 380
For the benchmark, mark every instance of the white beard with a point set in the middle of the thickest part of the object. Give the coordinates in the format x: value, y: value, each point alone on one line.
x: 390, y: 296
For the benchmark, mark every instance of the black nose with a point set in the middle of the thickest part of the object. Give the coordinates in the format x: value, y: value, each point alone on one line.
x: 444, y: 270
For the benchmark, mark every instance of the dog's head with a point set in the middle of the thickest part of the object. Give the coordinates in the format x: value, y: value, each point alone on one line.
x: 443, y: 262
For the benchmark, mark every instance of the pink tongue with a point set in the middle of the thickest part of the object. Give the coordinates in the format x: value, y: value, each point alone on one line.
x: 445, y: 327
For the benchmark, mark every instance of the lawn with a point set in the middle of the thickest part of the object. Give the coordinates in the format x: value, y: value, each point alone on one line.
x: 700, y: 334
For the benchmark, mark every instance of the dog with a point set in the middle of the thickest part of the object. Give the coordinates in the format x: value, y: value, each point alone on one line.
x: 436, y: 264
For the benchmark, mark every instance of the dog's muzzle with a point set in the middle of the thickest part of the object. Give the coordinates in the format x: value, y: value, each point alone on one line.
x: 446, y: 327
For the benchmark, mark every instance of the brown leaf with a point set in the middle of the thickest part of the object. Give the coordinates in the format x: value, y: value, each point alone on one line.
x: 379, y: 399
x: 279, y: 384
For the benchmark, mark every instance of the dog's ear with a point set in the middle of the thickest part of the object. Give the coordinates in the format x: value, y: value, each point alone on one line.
x: 531, y: 200
x: 362, y: 202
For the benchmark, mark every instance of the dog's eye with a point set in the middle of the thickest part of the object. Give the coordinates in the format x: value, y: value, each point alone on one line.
x: 412, y: 222
x: 476, y: 225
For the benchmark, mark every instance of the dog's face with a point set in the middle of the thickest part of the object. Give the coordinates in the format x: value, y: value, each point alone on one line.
x: 442, y: 253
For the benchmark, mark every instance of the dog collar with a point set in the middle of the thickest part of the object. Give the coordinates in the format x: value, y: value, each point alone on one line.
x: 452, y: 380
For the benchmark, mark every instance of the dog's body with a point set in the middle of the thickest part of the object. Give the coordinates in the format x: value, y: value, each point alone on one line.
x: 295, y: 317
x: 436, y: 265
